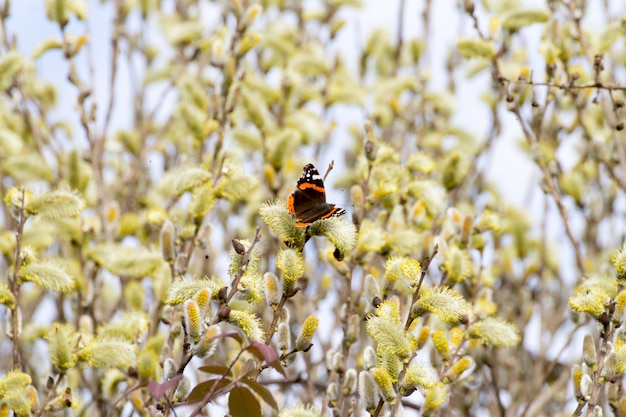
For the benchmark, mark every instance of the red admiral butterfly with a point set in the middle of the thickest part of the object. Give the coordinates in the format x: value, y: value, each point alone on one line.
x: 308, y: 202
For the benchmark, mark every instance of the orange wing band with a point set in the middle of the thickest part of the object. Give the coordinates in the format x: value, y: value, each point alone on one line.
x: 306, y: 185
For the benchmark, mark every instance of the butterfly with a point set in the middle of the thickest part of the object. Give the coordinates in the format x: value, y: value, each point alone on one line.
x: 308, y: 202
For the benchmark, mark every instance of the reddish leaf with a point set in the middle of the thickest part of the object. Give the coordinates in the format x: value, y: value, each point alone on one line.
x: 239, y: 338
x: 158, y: 390
x: 242, y: 403
x: 200, y: 390
x: 216, y: 369
x: 262, y: 391
x: 263, y: 351
x: 267, y: 353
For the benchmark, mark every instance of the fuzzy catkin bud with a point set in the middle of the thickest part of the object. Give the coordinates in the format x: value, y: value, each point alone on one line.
x: 284, y: 315
x: 368, y: 391
x: 610, y: 365
x: 169, y: 369
x: 466, y: 230
x: 303, y: 342
x: 330, y: 353
x: 620, y: 307
x: 167, y: 241
x: 350, y: 381
x: 251, y: 14
x: 9, y: 323
x: 270, y: 289
x: 586, y: 387
x: 134, y: 294
x: 183, y: 389
x: 372, y: 289
x: 356, y: 192
x: 369, y: 358
x: 290, y: 262
x: 352, y: 332
x: 147, y: 362
x: 192, y: 319
x: 338, y: 362
x: 371, y: 143
x: 85, y: 324
x: 332, y: 393
x: 589, y: 352
x: 207, y: 345
x: 284, y: 337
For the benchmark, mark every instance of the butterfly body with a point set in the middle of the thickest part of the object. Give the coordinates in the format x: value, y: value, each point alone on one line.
x: 308, y: 202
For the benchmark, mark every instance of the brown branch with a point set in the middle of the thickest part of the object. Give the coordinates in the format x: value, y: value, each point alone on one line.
x: 244, y: 265
x: 115, y: 41
x: 552, y: 189
x: 15, y: 285
x: 400, y: 26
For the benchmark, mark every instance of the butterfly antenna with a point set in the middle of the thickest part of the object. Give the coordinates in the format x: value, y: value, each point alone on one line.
x: 330, y: 168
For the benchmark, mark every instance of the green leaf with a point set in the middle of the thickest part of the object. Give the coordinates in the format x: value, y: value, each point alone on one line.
x: 158, y: 390
x: 216, y: 369
x: 242, y: 403
x: 262, y: 391
x: 200, y: 390
x: 267, y: 353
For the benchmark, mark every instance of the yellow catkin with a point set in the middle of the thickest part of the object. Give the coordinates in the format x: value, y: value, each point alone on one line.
x: 456, y: 336
x: 441, y: 344
x: 459, y: 367
x: 203, y: 297
x: 384, y: 381
x: 621, y: 409
x: 422, y: 337
x: 577, y: 376
x: 306, y: 334
x: 192, y: 319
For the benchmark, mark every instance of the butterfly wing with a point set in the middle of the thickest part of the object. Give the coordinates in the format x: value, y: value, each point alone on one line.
x: 308, y: 202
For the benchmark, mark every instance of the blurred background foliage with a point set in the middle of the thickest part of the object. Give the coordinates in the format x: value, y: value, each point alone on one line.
x: 150, y: 265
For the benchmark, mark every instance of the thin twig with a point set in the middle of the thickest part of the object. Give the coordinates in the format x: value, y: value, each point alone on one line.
x: 15, y: 285
x: 552, y: 189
